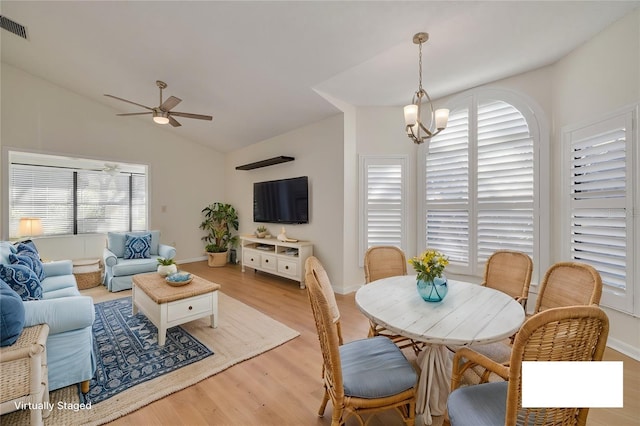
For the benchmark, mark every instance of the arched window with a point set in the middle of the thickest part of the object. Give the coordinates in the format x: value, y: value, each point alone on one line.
x: 480, y: 181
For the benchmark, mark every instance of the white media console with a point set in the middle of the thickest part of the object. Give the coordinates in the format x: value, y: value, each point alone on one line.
x: 285, y: 259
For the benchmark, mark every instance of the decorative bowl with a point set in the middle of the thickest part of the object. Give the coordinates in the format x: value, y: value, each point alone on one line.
x: 179, y: 279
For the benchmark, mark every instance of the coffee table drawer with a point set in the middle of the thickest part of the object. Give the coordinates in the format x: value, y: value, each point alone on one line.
x: 189, y: 307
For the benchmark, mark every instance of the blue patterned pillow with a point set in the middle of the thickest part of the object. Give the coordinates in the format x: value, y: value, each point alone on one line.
x: 27, y: 245
x: 11, y: 315
x: 137, y: 246
x: 36, y: 263
x: 22, y: 280
x: 21, y: 259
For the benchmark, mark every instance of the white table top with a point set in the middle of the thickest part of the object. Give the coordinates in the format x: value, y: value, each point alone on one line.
x: 469, y: 314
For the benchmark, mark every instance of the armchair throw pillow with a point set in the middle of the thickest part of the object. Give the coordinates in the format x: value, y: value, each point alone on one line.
x: 137, y: 246
x: 22, y: 280
x: 11, y: 315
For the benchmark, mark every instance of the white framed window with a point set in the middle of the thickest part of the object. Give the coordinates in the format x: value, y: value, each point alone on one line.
x: 480, y: 181
x: 74, y: 195
x: 600, y: 191
x: 382, y: 201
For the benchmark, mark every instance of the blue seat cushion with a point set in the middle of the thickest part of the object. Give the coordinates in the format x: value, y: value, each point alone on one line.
x: 22, y: 280
x: 375, y: 368
x: 478, y: 405
x: 11, y: 315
x: 137, y: 246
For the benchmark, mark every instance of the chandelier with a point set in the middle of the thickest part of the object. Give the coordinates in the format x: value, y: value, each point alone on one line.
x: 416, y: 129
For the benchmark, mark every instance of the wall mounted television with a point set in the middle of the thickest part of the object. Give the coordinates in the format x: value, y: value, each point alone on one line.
x: 281, y: 201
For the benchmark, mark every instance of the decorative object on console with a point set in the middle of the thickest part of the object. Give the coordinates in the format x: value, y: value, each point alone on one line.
x: 282, y: 236
x: 261, y: 231
x: 219, y: 220
x: 414, y: 124
x: 179, y: 279
x: 431, y: 284
x: 166, y: 266
x: 162, y: 114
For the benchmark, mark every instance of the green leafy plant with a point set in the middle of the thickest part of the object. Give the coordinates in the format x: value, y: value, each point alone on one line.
x: 219, y: 221
x: 261, y: 229
x: 165, y: 262
x: 429, y: 265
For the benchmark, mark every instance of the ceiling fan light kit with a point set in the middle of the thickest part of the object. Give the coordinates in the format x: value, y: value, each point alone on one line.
x: 414, y: 124
x: 162, y: 114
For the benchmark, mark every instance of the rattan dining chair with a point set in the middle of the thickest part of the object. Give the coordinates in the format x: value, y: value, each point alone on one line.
x: 569, y: 283
x: 575, y: 333
x: 509, y: 272
x: 360, y: 377
x: 383, y: 262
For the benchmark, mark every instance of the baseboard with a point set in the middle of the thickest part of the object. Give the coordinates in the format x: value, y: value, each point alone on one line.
x: 348, y: 290
x: 624, y: 348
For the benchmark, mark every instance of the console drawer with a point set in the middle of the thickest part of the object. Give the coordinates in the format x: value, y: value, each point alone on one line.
x: 268, y: 262
x: 252, y: 259
x: 288, y: 267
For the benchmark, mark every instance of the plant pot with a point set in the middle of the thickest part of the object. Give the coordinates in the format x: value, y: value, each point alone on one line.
x: 433, y: 291
x: 217, y: 259
x: 165, y: 270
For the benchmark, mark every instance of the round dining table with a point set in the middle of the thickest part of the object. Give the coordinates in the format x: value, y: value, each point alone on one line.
x: 470, y: 314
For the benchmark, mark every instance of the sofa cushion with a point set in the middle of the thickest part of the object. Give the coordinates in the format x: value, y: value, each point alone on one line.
x: 134, y: 266
x: 57, y: 282
x: 137, y: 246
x: 22, y: 280
x: 116, y: 240
x: 11, y: 315
x: 27, y: 245
x: 36, y: 263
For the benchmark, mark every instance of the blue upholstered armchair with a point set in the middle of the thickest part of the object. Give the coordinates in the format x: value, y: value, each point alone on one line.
x: 131, y: 253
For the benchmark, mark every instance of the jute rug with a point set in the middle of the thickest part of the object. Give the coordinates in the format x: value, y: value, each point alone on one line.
x: 242, y: 333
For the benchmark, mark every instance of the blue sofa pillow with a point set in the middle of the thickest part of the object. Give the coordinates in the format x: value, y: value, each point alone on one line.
x: 27, y: 245
x: 22, y: 280
x: 137, y: 246
x: 36, y: 263
x: 21, y: 259
x: 11, y: 315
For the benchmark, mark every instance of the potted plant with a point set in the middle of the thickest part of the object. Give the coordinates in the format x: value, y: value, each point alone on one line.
x: 219, y: 220
x: 166, y: 266
x: 261, y: 231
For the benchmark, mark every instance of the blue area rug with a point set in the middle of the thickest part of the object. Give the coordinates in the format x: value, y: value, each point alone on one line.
x: 127, y: 350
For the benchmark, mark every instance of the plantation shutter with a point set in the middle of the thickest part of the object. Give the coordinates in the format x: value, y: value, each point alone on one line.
x: 42, y: 192
x: 447, y: 190
x: 383, y: 201
x: 600, y: 204
x: 505, y: 180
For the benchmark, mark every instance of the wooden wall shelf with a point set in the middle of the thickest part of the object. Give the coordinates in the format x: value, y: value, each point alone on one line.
x: 265, y: 163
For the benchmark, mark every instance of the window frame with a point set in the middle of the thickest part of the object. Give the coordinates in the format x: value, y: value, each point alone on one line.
x: 539, y: 131
x: 76, y: 166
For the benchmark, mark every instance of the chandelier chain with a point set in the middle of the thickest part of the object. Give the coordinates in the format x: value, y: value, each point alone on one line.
x: 420, y: 68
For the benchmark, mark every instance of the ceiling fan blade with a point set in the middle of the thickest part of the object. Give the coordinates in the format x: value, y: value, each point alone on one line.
x: 170, y: 103
x: 130, y: 102
x: 189, y: 115
x: 174, y: 122
x: 136, y: 113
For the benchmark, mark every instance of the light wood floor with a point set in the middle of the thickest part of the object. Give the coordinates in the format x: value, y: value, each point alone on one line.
x: 283, y: 386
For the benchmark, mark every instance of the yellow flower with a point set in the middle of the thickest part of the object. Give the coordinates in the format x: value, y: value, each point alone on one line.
x: 429, y: 264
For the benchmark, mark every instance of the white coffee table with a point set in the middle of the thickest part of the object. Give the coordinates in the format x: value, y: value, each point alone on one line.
x: 168, y: 306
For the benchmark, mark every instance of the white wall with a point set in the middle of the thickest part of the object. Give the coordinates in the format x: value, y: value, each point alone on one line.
x: 595, y: 79
x: 318, y: 153
x: 41, y: 117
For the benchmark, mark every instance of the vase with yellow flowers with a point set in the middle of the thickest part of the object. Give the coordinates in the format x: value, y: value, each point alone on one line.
x: 431, y: 283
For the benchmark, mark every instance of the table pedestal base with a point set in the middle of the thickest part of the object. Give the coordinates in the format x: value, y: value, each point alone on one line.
x: 435, y: 362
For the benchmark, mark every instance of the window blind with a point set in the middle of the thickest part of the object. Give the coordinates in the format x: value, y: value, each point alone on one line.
x: 103, y: 202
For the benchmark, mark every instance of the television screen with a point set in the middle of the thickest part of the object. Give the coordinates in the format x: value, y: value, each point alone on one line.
x: 281, y: 201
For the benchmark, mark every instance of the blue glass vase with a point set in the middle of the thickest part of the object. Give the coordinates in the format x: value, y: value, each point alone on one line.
x: 433, y: 291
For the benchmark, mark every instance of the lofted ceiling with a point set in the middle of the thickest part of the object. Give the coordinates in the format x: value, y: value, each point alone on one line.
x: 259, y: 68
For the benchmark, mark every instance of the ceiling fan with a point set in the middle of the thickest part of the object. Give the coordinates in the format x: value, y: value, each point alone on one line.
x: 162, y: 114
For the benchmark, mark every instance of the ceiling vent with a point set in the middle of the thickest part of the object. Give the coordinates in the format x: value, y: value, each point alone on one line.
x: 13, y: 26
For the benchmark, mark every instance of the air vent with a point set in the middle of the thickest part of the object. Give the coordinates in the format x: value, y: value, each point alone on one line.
x: 13, y: 26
